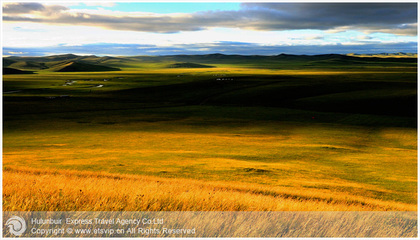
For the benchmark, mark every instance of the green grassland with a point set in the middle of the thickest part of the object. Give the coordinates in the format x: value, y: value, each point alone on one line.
x: 342, y: 124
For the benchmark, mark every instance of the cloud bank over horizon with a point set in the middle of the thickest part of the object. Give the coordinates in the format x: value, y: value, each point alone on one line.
x: 228, y: 48
x: 253, y: 28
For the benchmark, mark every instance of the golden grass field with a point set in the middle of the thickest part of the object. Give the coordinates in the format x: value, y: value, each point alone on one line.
x: 65, y: 190
x: 173, y: 165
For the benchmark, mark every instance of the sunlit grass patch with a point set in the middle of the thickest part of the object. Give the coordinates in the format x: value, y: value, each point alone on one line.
x: 334, y: 161
x: 63, y: 190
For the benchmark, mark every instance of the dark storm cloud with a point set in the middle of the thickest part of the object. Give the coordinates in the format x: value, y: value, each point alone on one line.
x: 340, y: 14
x: 390, y: 17
x: 398, y: 18
x: 22, y: 8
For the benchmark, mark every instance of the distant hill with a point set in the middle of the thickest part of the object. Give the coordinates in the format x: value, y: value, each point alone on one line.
x: 8, y: 70
x: 386, y: 55
x: 7, y: 62
x: 81, y: 67
x: 288, y: 59
x: 52, y: 58
x: 28, y: 65
x: 63, y: 57
x: 60, y: 63
x: 189, y: 65
x: 92, y: 63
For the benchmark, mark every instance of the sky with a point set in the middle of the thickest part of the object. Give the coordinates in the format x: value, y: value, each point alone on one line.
x: 169, y: 28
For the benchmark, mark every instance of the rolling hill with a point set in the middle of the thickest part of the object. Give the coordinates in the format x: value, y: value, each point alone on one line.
x: 81, y: 67
x: 60, y: 63
x: 28, y: 65
x: 386, y: 55
x: 7, y: 70
x: 75, y: 63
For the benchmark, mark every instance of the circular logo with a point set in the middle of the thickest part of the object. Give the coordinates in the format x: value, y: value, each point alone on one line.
x: 17, y: 225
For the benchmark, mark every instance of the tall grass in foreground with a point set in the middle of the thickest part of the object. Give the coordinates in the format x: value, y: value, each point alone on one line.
x: 29, y: 189
x: 229, y: 224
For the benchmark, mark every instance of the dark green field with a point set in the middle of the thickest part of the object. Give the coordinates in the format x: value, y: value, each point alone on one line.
x: 342, y: 124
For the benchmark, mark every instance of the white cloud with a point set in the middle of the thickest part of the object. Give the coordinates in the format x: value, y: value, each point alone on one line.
x: 93, y: 3
x: 15, y: 53
x: 363, y: 37
x: 41, y: 35
x: 372, y: 17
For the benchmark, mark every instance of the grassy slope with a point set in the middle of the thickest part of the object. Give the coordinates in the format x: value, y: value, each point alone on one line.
x: 182, y: 124
x: 7, y: 71
x: 282, y: 61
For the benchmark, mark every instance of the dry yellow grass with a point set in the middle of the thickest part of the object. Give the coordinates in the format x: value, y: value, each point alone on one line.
x: 333, y: 162
x: 176, y: 166
x: 65, y: 190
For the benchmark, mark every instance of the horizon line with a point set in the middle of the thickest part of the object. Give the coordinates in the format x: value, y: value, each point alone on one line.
x: 216, y: 53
